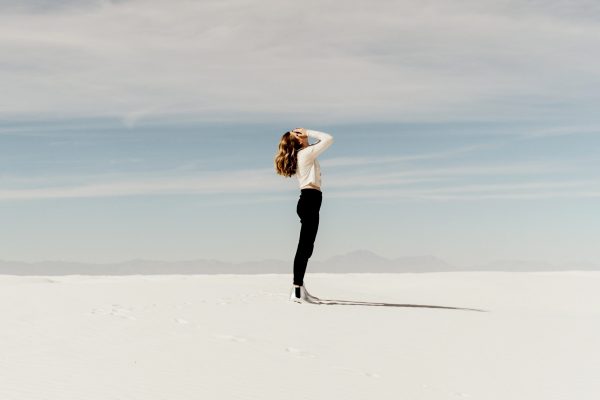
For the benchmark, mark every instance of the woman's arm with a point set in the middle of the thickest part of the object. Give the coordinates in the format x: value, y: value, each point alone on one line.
x: 325, y: 140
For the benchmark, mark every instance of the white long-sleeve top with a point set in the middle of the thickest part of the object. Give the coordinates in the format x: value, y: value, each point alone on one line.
x: 308, y: 169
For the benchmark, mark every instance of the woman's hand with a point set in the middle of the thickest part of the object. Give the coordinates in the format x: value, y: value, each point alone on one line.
x: 300, y: 133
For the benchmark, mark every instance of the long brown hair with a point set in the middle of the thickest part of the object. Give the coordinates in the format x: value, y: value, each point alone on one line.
x: 286, y: 159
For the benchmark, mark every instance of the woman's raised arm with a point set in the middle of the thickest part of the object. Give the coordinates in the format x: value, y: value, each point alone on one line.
x: 325, y: 140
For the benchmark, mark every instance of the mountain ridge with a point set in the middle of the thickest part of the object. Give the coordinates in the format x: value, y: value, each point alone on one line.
x: 356, y: 261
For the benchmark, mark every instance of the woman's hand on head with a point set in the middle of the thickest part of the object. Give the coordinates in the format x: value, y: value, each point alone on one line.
x: 300, y: 132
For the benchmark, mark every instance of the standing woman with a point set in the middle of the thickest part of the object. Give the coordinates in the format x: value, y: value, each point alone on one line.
x: 296, y: 156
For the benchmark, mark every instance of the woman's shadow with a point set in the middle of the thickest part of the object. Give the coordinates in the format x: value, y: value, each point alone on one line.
x: 368, y: 303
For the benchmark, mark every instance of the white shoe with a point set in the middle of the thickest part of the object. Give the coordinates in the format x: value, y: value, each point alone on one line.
x: 310, y: 296
x: 299, y: 295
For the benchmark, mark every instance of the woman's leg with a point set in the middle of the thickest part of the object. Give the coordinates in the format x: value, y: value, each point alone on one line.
x: 308, y: 211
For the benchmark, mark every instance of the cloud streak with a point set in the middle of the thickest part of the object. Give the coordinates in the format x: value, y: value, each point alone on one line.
x: 355, y: 161
x: 263, y: 180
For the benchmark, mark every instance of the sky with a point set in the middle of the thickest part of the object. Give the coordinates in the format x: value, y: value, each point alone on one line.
x: 465, y: 130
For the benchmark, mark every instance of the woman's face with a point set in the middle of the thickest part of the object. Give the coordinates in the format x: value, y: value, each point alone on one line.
x: 303, y: 138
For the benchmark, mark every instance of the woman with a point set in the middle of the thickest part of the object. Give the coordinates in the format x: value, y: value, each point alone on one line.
x: 297, y: 157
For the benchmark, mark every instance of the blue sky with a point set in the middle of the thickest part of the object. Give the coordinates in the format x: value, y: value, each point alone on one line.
x: 147, y: 130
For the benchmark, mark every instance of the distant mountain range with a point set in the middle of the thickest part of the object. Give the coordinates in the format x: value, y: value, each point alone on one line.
x: 359, y: 261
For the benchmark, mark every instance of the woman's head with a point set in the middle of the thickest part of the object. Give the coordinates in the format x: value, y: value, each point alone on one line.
x: 286, y: 158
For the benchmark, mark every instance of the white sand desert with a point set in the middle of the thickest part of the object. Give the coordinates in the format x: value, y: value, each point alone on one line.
x: 238, y: 337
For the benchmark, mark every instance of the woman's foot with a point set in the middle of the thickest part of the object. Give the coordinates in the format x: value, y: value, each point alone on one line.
x: 298, y: 294
x: 310, y: 296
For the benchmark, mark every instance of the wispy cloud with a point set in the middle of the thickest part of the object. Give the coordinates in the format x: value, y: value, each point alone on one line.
x: 442, y: 182
x: 353, y: 161
x: 592, y: 129
x: 392, y: 195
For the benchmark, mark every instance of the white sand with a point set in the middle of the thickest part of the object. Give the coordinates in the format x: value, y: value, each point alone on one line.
x: 238, y: 337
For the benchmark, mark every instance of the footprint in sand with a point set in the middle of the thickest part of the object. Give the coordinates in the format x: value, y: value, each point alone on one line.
x: 120, y: 311
x: 363, y: 373
x: 300, y: 353
x: 116, y: 310
x: 180, y: 306
x: 462, y: 394
x: 232, y: 338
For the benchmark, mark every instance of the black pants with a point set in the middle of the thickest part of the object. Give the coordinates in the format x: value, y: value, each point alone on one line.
x: 307, y: 209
